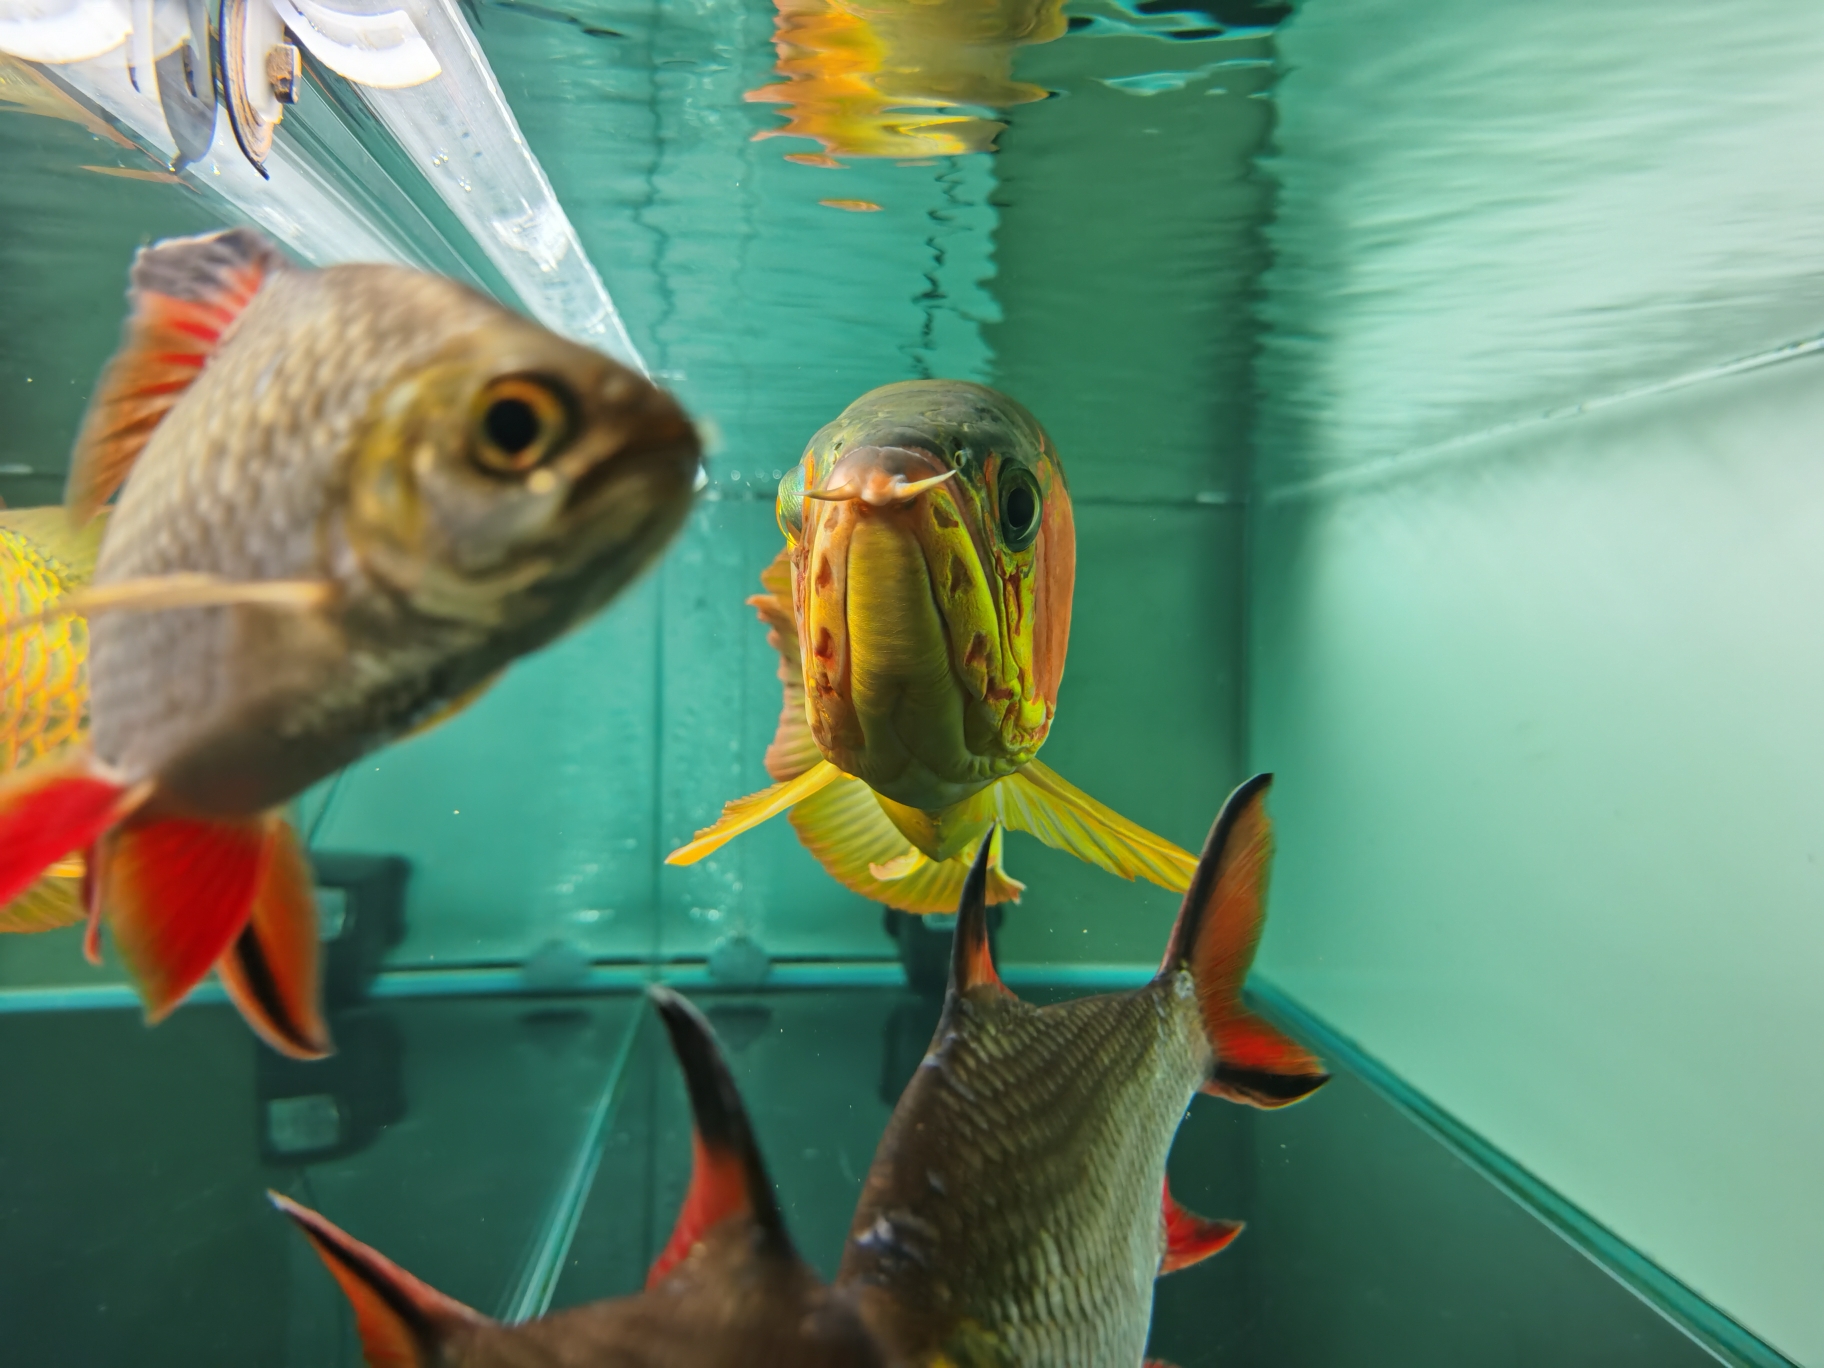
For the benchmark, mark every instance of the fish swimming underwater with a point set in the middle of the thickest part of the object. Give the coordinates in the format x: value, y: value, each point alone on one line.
x: 921, y: 610
x: 44, y: 677
x: 352, y: 497
x: 1012, y: 1216
x: 1016, y: 1214
x: 729, y: 1288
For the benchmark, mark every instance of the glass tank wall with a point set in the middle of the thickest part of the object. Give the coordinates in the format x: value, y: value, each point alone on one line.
x: 1432, y: 387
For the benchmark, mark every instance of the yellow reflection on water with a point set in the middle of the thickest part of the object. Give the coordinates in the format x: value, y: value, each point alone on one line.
x: 858, y: 76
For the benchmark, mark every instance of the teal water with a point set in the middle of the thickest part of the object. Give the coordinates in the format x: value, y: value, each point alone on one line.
x: 1435, y: 388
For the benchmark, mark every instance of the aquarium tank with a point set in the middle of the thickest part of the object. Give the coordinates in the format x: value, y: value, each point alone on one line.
x: 1412, y: 402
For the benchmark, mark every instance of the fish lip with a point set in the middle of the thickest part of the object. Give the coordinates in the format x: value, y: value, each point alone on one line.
x: 877, y: 474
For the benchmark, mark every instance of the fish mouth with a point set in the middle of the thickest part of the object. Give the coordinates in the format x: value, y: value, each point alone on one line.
x: 899, y: 631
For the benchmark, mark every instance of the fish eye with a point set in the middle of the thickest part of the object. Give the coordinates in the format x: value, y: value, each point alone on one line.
x: 1020, y: 506
x: 790, y: 505
x: 519, y: 421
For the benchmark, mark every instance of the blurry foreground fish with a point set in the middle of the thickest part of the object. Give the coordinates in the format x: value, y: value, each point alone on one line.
x: 44, y: 677
x: 921, y: 610
x: 1012, y: 1216
x: 355, y: 495
x: 728, y: 1290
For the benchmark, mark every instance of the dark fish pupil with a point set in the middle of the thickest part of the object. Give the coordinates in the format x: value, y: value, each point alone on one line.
x: 1020, y: 508
x: 511, y: 425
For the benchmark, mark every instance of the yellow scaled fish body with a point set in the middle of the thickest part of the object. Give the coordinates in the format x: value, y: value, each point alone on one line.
x: 44, y: 680
x: 881, y: 79
x: 921, y: 610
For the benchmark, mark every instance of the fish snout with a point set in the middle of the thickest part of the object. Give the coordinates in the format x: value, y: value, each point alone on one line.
x: 882, y: 476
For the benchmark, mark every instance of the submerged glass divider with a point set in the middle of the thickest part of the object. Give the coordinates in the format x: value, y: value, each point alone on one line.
x: 1727, y: 1339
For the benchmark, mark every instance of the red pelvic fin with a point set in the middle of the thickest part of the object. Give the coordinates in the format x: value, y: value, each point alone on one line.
x: 403, y: 1323
x: 1215, y: 938
x: 49, y: 810
x: 185, y: 293
x: 1190, y: 1238
x: 271, y: 970
x: 971, y: 956
x: 176, y: 891
x: 727, y: 1175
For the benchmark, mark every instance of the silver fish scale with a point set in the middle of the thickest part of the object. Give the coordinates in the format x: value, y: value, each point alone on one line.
x: 1013, y: 1216
x: 240, y: 479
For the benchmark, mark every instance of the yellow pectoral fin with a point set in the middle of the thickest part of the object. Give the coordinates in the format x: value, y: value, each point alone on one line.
x: 1036, y: 800
x: 52, y: 902
x: 745, y: 813
x: 858, y: 846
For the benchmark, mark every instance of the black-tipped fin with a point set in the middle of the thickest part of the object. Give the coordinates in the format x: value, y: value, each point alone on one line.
x: 971, y: 957
x: 727, y: 1176
x: 403, y: 1323
x: 1215, y: 938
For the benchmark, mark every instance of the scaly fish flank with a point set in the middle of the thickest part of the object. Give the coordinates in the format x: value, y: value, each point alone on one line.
x: 351, y: 498
x: 729, y: 1291
x: 921, y: 609
x: 44, y: 677
x: 1016, y: 1214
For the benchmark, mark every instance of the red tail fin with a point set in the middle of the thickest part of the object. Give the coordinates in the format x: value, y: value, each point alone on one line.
x: 727, y: 1176
x: 403, y: 1323
x: 50, y: 810
x: 176, y: 892
x: 1190, y: 1238
x: 1215, y: 938
x: 271, y: 969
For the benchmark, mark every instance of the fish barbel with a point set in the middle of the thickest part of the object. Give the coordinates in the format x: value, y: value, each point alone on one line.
x: 44, y: 677
x: 728, y: 1291
x: 921, y: 610
x: 352, y: 497
x: 1017, y: 1214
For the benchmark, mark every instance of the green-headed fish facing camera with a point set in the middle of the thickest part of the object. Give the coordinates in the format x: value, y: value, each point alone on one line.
x: 351, y: 498
x: 921, y: 610
x: 1036, y: 1251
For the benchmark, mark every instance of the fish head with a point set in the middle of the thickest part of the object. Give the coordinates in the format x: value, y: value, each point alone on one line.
x: 934, y: 556
x: 517, y: 480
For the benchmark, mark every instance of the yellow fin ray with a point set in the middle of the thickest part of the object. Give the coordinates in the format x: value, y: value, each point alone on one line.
x: 844, y: 827
x: 52, y: 902
x: 1037, y: 801
x: 794, y: 749
x: 159, y: 593
x: 743, y: 814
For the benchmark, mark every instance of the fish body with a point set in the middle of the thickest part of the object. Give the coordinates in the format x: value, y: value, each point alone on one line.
x: 351, y: 497
x: 1016, y: 1213
x: 728, y: 1291
x: 921, y: 608
x: 44, y: 675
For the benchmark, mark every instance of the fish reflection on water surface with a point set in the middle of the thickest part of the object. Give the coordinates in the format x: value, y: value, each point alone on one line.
x: 352, y: 497
x: 856, y: 73
x: 921, y: 610
x: 1016, y: 1213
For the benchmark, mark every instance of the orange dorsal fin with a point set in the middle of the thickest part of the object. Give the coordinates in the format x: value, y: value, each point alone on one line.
x: 1190, y: 1238
x: 184, y: 295
x: 403, y: 1323
x: 971, y: 956
x: 52, y: 809
x: 727, y: 1175
x: 271, y: 969
x: 1217, y: 931
x: 175, y: 892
